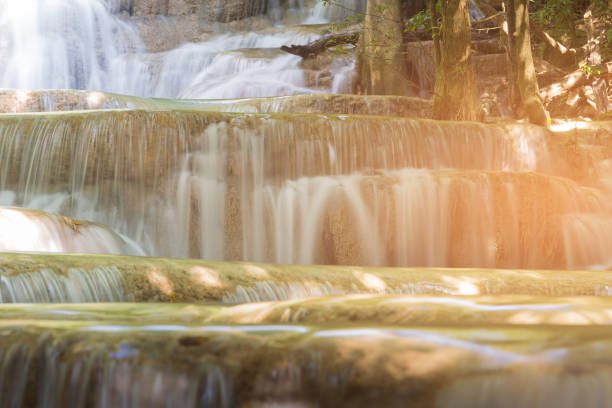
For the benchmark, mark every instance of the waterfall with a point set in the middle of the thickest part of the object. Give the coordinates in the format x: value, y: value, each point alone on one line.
x: 102, y: 284
x: 223, y: 190
x: 307, y: 188
x: 22, y: 230
x: 79, y: 44
x: 198, y: 70
x: 335, y: 10
x: 62, y: 44
x: 301, y: 247
x: 417, y: 218
x: 121, y: 363
x: 246, y: 187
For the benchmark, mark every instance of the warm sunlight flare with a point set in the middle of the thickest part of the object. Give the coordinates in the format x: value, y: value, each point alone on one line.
x: 305, y: 203
x: 257, y: 272
x: 370, y: 281
x: 206, y: 276
x: 161, y: 282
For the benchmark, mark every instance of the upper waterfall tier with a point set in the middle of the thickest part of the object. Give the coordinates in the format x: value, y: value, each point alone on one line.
x: 82, y: 45
x: 61, y: 44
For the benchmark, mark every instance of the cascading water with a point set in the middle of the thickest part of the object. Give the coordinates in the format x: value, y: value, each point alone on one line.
x: 219, y: 171
x: 331, y: 11
x: 220, y: 68
x: 86, y: 359
x: 62, y: 44
x: 79, y: 44
x: 23, y: 230
x: 311, y: 179
x: 220, y: 191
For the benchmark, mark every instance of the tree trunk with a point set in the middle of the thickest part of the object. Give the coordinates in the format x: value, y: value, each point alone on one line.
x: 594, y: 39
x: 455, y: 93
x: 435, y: 31
x: 380, y: 64
x: 522, y: 74
x: 514, y: 94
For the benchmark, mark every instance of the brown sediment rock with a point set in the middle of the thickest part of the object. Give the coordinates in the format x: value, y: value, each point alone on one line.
x: 401, y: 106
x: 20, y: 101
x: 209, y: 9
x: 163, y: 33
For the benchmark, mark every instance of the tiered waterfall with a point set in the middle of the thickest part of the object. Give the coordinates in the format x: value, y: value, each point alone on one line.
x: 465, y: 263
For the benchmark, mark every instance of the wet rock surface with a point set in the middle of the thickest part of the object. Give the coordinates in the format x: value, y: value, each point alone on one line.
x: 22, y: 101
x: 159, y: 279
x: 301, y: 179
x: 308, y: 365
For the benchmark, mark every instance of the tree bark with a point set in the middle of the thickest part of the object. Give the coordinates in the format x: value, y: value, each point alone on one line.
x: 381, y: 66
x: 435, y: 31
x: 514, y: 94
x: 527, y: 78
x: 523, y: 89
x: 455, y: 93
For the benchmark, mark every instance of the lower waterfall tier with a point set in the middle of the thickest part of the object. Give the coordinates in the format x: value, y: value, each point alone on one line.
x: 91, y: 363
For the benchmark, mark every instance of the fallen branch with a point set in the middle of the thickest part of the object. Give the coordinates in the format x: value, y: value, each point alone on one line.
x: 314, y: 48
x: 574, y: 79
x: 566, y: 83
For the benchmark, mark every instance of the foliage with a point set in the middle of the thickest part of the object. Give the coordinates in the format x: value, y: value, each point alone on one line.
x: 589, y: 70
x: 423, y: 20
x: 559, y: 14
x: 604, y: 11
x: 563, y: 14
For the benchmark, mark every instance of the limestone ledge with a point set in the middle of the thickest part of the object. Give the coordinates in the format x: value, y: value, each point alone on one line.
x: 228, y: 10
x: 187, y: 280
x: 23, y: 101
x: 421, y: 310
